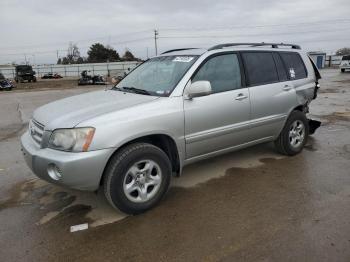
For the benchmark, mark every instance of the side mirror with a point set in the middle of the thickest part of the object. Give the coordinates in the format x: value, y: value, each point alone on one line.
x: 198, y: 88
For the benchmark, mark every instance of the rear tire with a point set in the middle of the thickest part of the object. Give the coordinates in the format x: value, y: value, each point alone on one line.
x: 294, y: 134
x: 137, y: 178
x: 342, y: 70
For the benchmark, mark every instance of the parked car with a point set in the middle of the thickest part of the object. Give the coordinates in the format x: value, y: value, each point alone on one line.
x: 345, y: 63
x: 24, y: 73
x: 86, y: 79
x: 5, y: 84
x: 172, y: 110
x: 51, y: 76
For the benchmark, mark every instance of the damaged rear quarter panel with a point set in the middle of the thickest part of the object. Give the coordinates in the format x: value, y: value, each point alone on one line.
x: 305, y: 88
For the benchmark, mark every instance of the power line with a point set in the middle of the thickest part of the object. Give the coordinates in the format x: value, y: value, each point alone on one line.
x: 227, y: 27
x: 78, y: 41
x: 257, y: 34
x: 65, y: 50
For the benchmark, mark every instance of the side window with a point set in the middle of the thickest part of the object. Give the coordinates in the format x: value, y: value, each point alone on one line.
x: 295, y: 65
x: 223, y: 73
x: 281, y: 71
x: 260, y: 68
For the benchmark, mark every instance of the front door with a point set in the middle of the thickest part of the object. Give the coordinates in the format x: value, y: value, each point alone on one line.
x: 217, y: 121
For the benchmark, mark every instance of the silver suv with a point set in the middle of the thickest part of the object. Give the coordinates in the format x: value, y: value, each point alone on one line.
x: 174, y: 109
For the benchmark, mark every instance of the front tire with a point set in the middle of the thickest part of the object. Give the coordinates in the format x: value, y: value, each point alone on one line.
x: 294, y: 134
x: 137, y: 178
x: 342, y: 70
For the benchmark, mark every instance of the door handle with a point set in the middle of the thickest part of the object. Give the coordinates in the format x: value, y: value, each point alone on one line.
x: 241, y: 97
x: 287, y: 88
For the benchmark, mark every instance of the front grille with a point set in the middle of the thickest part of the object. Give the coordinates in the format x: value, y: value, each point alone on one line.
x: 36, y: 131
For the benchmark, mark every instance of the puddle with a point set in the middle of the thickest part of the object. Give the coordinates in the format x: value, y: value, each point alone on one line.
x: 216, y: 167
x: 69, y: 207
x: 56, y: 204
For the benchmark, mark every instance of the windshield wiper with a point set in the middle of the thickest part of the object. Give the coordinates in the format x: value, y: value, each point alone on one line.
x: 136, y: 90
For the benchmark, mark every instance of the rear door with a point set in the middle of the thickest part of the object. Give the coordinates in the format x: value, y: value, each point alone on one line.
x: 272, y: 94
x: 217, y: 121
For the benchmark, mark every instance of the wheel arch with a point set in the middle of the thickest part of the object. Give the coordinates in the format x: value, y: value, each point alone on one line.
x: 302, y: 108
x: 162, y: 141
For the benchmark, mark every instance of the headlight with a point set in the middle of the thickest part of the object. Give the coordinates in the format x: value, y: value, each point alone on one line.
x: 74, y: 139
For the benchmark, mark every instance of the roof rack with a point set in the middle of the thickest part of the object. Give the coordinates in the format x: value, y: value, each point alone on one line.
x: 179, y: 49
x: 273, y: 45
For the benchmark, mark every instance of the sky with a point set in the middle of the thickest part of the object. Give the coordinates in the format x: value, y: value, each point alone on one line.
x: 39, y: 31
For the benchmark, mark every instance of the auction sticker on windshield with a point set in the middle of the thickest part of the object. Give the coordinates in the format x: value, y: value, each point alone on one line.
x: 184, y: 59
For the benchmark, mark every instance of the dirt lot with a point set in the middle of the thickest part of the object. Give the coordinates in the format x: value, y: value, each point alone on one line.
x: 251, y: 205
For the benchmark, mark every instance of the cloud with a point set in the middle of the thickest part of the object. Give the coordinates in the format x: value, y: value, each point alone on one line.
x: 41, y: 27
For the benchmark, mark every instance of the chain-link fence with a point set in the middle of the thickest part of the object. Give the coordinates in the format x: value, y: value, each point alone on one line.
x: 106, y: 69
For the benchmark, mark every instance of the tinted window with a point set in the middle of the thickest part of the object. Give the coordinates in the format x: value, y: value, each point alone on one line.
x: 222, y: 72
x: 346, y: 57
x: 260, y: 68
x: 281, y: 70
x: 295, y: 65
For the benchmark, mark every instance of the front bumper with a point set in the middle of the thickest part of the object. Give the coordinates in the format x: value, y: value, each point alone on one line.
x: 81, y: 171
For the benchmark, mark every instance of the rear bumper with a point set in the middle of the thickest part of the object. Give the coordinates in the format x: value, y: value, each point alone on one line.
x: 81, y: 171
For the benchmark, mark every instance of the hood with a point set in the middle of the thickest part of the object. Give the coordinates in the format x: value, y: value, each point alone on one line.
x: 69, y: 112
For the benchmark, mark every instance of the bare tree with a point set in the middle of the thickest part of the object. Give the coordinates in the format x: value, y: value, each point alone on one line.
x: 73, y: 53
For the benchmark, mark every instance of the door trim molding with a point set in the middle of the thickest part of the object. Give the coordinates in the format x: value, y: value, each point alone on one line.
x: 221, y: 131
x: 227, y: 150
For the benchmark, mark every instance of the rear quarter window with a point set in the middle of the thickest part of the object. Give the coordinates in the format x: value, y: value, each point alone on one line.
x: 295, y: 66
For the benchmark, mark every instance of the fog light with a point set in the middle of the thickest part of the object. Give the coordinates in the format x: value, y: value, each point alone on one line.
x: 54, y: 172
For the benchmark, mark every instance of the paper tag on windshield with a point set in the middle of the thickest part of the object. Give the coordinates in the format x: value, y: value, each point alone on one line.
x: 184, y: 59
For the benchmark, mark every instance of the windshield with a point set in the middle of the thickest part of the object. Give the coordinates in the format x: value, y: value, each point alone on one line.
x: 346, y: 57
x: 159, y: 75
x: 24, y: 68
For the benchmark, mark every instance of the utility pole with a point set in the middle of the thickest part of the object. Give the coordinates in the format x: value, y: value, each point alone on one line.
x: 25, y: 58
x: 155, y: 40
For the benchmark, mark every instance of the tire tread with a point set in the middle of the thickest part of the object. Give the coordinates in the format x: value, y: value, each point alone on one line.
x: 113, y: 164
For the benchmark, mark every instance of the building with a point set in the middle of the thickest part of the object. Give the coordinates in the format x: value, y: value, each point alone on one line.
x: 319, y: 58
